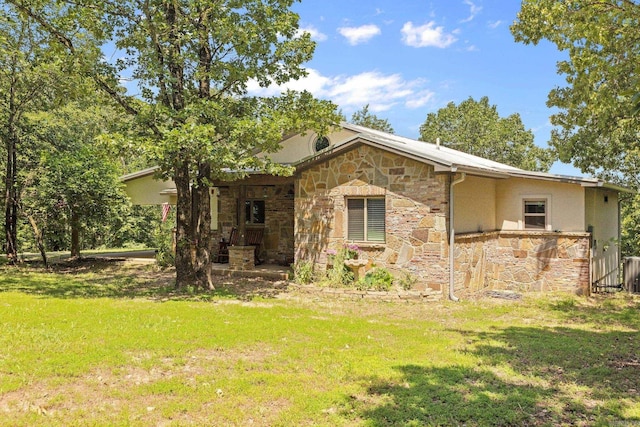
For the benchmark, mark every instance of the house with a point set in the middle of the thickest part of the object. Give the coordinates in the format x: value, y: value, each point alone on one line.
x: 394, y: 197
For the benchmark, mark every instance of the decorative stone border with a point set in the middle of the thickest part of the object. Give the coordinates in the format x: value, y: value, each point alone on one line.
x: 356, y: 294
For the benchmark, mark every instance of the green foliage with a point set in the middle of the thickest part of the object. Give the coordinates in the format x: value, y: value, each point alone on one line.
x: 407, y: 281
x: 597, y: 129
x: 475, y: 127
x: 364, y: 118
x: 163, y: 239
x: 303, y: 272
x: 630, y: 225
x: 75, y: 183
x: 378, y: 278
x: 339, y: 274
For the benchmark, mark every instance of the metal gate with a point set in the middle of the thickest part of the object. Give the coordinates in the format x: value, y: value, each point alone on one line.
x: 605, y: 270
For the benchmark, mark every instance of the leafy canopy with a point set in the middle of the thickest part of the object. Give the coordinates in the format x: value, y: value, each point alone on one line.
x: 193, y: 61
x: 597, y: 125
x: 475, y: 127
x: 364, y: 118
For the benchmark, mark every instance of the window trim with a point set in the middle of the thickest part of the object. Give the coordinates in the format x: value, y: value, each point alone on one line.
x: 314, y: 139
x: 525, y: 201
x: 366, y: 220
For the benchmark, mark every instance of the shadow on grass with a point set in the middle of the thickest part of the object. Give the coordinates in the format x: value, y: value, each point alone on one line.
x: 620, y: 309
x: 454, y: 396
x: 113, y: 279
x: 565, y: 377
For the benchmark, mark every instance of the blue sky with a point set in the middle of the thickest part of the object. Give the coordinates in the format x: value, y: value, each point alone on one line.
x: 409, y: 58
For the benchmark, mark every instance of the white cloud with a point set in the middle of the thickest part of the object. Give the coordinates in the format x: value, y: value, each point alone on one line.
x: 426, y: 35
x: 494, y: 24
x: 313, y: 82
x: 316, y: 34
x: 473, y: 11
x: 381, y: 91
x: 370, y: 87
x: 420, y: 99
x: 357, y: 35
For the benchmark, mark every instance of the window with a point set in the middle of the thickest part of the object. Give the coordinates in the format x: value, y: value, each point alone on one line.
x: 321, y: 143
x: 535, y: 214
x: 366, y: 222
x: 254, y: 211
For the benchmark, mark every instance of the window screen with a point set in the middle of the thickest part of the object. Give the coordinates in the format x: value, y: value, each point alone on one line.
x: 535, y: 214
x: 366, y: 220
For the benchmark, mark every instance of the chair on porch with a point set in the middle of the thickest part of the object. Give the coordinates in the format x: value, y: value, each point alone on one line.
x: 253, y: 237
x: 223, y: 249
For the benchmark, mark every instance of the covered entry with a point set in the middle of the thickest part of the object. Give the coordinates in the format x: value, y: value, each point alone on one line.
x: 258, y: 205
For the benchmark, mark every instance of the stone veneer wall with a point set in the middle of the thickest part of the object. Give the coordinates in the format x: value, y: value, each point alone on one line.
x: 277, y: 243
x: 523, y: 261
x: 416, y: 212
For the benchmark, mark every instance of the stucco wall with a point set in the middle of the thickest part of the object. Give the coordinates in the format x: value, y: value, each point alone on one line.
x: 565, y: 204
x: 523, y: 261
x: 475, y: 205
x: 146, y: 191
x: 301, y: 146
x: 602, y: 216
x: 416, y: 211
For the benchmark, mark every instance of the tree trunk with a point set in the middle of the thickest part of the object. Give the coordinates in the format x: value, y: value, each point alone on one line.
x: 75, y: 235
x: 37, y: 234
x: 202, y: 228
x: 11, y: 196
x: 184, y: 262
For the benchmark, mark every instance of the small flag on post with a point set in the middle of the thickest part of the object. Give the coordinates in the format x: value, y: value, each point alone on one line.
x: 166, y: 208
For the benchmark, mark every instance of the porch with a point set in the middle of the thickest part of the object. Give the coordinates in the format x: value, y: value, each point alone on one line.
x: 259, y: 205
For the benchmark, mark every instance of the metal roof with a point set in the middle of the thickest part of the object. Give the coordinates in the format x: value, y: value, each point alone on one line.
x: 446, y: 159
x: 443, y: 159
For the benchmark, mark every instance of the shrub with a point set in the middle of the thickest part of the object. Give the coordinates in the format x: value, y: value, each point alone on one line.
x: 303, y: 272
x: 407, y: 281
x: 340, y: 274
x: 165, y: 256
x: 379, y: 279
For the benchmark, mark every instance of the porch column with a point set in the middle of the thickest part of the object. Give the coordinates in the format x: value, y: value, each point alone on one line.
x: 241, y: 257
x: 242, y: 215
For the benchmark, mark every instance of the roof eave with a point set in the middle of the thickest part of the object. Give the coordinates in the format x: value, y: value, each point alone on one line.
x: 139, y: 174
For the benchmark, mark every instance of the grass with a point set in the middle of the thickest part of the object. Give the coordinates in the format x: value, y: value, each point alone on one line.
x: 114, y: 344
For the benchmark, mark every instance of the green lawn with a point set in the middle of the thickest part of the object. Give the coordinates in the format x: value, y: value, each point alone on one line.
x: 117, y: 346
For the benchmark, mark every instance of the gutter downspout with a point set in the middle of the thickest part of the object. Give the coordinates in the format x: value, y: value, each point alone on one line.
x: 452, y: 232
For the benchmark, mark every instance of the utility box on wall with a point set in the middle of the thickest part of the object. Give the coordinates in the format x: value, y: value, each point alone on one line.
x: 632, y: 274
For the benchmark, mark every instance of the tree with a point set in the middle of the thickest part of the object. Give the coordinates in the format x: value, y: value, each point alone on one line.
x: 364, y: 118
x: 29, y: 74
x: 193, y: 60
x: 75, y: 184
x: 475, y: 127
x: 597, y: 129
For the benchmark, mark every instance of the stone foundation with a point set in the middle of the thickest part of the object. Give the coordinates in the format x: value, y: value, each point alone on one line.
x: 522, y: 261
